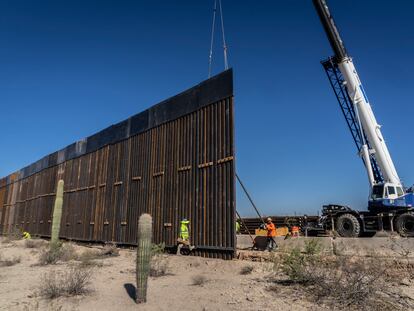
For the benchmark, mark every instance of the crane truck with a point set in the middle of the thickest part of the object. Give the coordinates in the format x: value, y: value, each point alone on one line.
x: 390, y: 204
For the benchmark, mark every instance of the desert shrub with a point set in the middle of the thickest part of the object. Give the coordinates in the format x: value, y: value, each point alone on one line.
x: 57, y: 252
x: 77, y: 281
x: 344, y: 282
x: 89, y: 257
x: 51, y: 286
x: 158, y: 249
x: 199, y: 280
x: 312, y: 247
x: 89, y: 254
x: 351, y: 283
x: 110, y: 250
x: 34, y: 243
x: 72, y: 282
x: 246, y: 270
x: 158, y: 266
x: 68, y: 252
x: 297, y: 266
x: 49, y: 256
x: 14, y: 234
x: 8, y: 262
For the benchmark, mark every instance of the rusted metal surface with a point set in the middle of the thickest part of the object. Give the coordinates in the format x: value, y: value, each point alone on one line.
x: 174, y: 161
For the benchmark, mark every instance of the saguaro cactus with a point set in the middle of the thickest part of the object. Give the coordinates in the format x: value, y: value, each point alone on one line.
x: 57, y: 213
x: 143, y: 256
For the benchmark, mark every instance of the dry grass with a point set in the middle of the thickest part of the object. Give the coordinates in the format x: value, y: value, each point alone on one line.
x: 8, y: 262
x: 72, y: 282
x: 199, y: 280
x: 246, y: 270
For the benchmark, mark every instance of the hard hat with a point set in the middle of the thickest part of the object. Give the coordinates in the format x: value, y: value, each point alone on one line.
x: 269, y: 219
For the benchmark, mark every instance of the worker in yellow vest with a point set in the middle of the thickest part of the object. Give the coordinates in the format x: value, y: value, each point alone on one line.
x: 184, y: 238
x: 238, y: 228
x: 184, y: 230
x: 26, y: 235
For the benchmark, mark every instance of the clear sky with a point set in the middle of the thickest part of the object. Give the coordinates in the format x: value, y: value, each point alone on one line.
x: 71, y: 68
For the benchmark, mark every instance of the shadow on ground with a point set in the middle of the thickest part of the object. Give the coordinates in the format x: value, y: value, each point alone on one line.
x: 131, y: 291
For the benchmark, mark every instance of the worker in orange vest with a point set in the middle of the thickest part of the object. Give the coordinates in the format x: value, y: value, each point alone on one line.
x: 295, y: 231
x: 271, y: 233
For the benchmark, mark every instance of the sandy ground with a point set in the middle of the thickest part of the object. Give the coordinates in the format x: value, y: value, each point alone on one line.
x: 225, y: 288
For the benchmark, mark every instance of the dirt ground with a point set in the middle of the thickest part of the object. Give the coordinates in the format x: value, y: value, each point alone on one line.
x: 225, y: 287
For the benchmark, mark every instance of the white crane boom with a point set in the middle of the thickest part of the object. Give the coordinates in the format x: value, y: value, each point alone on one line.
x: 371, y: 130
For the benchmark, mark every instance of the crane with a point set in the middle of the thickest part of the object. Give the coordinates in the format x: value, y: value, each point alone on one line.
x: 390, y: 204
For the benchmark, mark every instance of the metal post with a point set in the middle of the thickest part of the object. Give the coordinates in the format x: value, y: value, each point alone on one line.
x: 380, y: 223
x: 392, y: 222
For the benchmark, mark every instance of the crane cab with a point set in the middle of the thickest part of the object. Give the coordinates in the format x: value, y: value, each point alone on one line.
x: 386, y: 191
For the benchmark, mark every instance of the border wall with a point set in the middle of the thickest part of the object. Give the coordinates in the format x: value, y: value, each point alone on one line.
x: 174, y: 160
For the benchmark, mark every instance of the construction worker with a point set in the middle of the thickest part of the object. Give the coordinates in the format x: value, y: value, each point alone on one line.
x: 184, y: 230
x: 238, y: 226
x: 271, y: 233
x: 26, y: 235
x: 295, y: 231
x: 184, y: 238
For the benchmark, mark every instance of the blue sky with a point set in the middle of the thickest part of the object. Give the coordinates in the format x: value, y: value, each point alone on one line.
x: 71, y: 68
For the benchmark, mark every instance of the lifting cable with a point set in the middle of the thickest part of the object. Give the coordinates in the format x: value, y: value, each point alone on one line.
x: 210, y: 56
x: 226, y: 66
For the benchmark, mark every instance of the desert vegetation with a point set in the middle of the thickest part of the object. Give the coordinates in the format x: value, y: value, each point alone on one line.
x: 344, y: 282
x: 71, y: 282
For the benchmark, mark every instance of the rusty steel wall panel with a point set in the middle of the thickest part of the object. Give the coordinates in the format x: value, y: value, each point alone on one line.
x: 173, y: 161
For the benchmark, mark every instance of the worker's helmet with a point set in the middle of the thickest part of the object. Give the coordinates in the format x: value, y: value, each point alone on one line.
x: 269, y: 219
x: 184, y: 219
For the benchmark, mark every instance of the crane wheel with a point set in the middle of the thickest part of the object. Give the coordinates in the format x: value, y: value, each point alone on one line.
x: 405, y: 225
x: 347, y: 225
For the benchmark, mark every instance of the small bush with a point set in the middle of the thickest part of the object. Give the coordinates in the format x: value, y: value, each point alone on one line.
x: 6, y: 262
x: 345, y: 282
x: 51, y: 286
x: 88, y: 258
x: 297, y: 266
x: 72, y: 282
x: 55, y: 253
x: 33, y: 243
x: 199, y: 280
x: 14, y: 234
x: 68, y: 252
x: 159, y: 266
x: 312, y: 246
x: 158, y: 249
x: 77, y: 281
x: 110, y: 250
x: 246, y: 270
x: 49, y: 256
